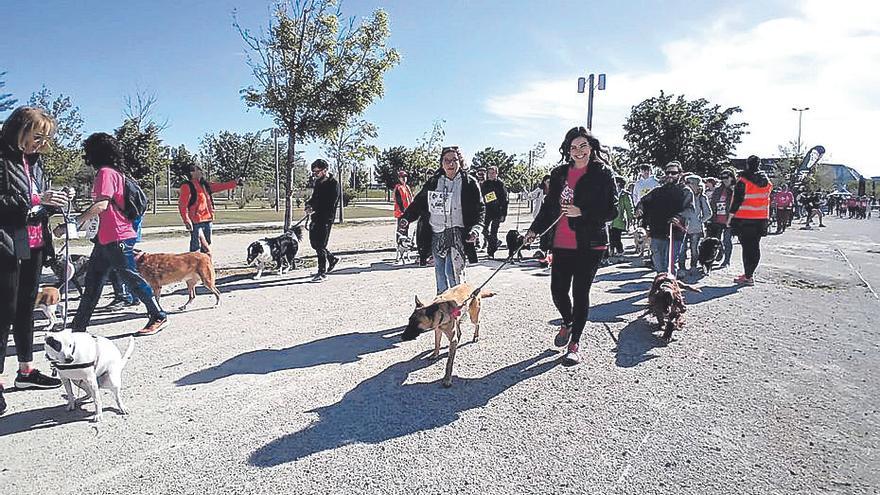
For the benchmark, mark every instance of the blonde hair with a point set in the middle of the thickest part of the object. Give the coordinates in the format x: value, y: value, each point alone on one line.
x: 25, y: 121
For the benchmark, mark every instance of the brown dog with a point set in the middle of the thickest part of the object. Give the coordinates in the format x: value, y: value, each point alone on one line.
x: 443, y: 316
x: 163, y: 269
x: 47, y: 301
x: 666, y: 303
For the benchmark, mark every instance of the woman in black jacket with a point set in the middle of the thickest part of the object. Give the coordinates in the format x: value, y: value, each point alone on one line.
x: 25, y: 240
x: 451, y: 205
x: 582, y: 190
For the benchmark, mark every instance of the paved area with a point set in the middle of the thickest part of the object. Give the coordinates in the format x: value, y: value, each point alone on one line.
x: 293, y: 387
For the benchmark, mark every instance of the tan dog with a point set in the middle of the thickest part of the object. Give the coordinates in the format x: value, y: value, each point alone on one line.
x: 640, y: 238
x: 443, y: 316
x: 47, y: 302
x: 164, y: 269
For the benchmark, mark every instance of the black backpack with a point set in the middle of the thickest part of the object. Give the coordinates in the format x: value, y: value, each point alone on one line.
x: 135, y: 200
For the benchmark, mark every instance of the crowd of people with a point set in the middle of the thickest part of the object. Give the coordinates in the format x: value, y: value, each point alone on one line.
x: 581, y: 211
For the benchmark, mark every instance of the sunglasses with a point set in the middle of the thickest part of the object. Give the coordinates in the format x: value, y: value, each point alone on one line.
x: 672, y: 172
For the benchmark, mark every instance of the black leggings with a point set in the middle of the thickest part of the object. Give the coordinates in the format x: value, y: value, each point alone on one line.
x: 319, y: 237
x: 574, y: 271
x: 750, y: 240
x: 18, y: 290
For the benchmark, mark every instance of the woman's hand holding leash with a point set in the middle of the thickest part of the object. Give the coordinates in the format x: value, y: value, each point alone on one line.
x: 571, y: 211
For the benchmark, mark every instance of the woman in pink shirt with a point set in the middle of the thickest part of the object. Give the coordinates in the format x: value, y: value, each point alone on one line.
x: 582, y: 197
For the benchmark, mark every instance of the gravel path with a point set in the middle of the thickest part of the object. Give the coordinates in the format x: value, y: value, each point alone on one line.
x: 293, y: 387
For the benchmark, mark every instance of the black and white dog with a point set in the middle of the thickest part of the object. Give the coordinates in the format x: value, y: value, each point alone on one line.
x: 279, y: 250
x: 405, y: 245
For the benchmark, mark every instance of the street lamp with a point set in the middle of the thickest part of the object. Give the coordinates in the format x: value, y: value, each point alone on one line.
x: 582, y: 83
x: 800, y: 112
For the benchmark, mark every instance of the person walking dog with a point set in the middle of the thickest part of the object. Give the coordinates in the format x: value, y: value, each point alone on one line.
x: 582, y: 198
x: 322, y: 207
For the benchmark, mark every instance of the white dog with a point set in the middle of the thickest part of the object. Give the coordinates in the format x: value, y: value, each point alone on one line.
x: 47, y: 302
x: 405, y: 244
x: 90, y: 362
x: 640, y: 237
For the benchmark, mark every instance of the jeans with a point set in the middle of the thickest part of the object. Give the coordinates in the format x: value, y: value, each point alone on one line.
x: 319, y: 237
x: 120, y: 290
x: 660, y: 252
x: 690, y: 242
x: 722, y: 232
x: 573, y: 271
x: 194, y: 244
x: 444, y: 272
x: 118, y: 256
x: 19, y: 282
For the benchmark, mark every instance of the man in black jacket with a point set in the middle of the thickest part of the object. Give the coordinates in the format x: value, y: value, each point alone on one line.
x: 663, y: 206
x: 322, y: 207
x: 495, y: 197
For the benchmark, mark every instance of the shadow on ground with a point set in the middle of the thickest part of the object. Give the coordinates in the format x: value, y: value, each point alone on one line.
x: 339, y: 349
x: 383, y: 407
x: 635, y: 342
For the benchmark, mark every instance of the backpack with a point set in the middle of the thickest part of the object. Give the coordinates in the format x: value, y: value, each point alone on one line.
x: 192, y: 193
x: 134, y: 199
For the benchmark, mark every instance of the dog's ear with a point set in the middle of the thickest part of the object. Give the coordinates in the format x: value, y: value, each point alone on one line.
x: 419, y: 303
x: 54, y: 344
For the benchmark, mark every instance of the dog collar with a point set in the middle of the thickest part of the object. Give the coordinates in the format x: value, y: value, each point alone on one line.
x: 76, y: 366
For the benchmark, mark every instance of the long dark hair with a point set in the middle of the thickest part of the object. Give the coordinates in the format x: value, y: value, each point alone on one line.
x: 103, y: 150
x: 595, y: 145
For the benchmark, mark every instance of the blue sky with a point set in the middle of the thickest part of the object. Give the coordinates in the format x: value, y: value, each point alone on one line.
x: 500, y: 74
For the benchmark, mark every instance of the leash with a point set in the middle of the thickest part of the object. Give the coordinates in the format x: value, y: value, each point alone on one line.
x: 670, y: 249
x: 297, y: 224
x: 67, y: 261
x: 476, y: 292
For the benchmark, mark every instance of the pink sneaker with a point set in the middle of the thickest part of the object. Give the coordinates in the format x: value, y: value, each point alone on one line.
x: 743, y: 280
x: 572, y: 357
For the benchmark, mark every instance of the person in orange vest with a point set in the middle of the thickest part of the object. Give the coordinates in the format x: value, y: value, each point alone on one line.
x: 402, y: 194
x: 750, y: 216
x: 196, y: 205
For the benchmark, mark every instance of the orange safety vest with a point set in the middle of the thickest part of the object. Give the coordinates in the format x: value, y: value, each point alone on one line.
x: 405, y: 197
x: 756, y: 205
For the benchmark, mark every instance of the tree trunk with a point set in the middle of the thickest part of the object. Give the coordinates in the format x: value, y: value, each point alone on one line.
x: 288, y: 180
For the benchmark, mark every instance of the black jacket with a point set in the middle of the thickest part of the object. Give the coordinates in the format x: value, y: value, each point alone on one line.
x: 496, y: 208
x: 595, y: 194
x: 15, y: 202
x: 472, y: 208
x: 663, y: 203
x: 324, y: 200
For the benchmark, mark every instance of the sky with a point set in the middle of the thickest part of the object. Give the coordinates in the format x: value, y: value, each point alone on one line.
x: 498, y: 74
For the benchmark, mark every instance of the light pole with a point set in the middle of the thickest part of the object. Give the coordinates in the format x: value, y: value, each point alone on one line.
x: 800, y: 112
x: 582, y: 83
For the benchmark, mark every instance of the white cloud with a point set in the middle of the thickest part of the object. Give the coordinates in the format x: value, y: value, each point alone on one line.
x: 826, y: 57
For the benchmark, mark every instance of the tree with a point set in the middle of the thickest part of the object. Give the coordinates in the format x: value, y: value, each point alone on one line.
x: 7, y: 102
x: 490, y: 157
x: 235, y: 155
x: 696, y: 133
x: 314, y: 70
x: 348, y: 145
x: 390, y: 161
x: 138, y: 136
x: 62, y: 159
x: 424, y: 159
x: 181, y: 163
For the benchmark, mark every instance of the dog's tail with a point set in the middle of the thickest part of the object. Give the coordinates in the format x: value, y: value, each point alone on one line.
x: 128, y: 351
x: 203, y: 242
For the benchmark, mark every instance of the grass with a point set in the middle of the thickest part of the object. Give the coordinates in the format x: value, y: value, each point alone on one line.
x: 171, y: 218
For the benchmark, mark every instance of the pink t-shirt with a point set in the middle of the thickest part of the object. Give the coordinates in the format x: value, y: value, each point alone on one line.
x: 35, y: 232
x: 565, y: 238
x: 113, y: 226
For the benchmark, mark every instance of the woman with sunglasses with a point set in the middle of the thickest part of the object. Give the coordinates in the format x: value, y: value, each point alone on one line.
x: 24, y: 237
x: 452, y: 205
x: 720, y: 202
x: 582, y: 197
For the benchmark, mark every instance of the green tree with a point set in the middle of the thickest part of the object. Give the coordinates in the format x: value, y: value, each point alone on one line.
x: 314, y: 70
x: 424, y: 158
x: 62, y: 160
x: 7, y: 102
x: 181, y: 162
x: 490, y: 157
x: 235, y: 155
x: 696, y: 133
x: 390, y: 161
x: 349, y: 147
